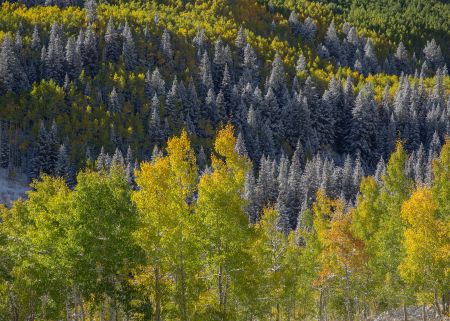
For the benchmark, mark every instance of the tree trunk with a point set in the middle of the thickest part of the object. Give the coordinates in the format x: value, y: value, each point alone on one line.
x: 436, y: 303
x: 112, y: 310
x: 14, y: 311
x: 157, y: 295
x: 405, y: 312
x: 347, y: 297
x: 321, y: 312
x: 183, y: 299
x: 424, y: 312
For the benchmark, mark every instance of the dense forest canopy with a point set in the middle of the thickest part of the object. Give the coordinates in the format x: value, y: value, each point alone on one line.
x: 225, y: 160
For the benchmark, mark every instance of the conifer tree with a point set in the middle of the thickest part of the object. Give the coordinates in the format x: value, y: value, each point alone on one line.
x: 112, y: 44
x: 363, y: 125
x: 128, y: 49
x: 62, y: 168
x: 4, y: 147
x: 332, y: 41
x: 433, y: 55
x: 166, y: 46
x: 89, y: 53
x: 12, y: 76
x: 114, y: 105
x: 91, y: 10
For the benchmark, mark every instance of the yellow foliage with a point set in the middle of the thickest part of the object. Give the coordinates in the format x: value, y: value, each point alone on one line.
x: 426, y: 242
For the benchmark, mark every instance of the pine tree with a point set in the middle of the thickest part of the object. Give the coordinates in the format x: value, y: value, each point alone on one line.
x: 332, y: 41
x: 344, y: 117
x: 73, y: 58
x: 251, y: 207
x: 277, y: 79
x: 240, y: 145
x: 172, y: 105
x: 301, y: 64
x: 112, y: 42
x: 166, y: 46
x: 370, y: 59
x: 326, y: 116
x: 35, y: 39
x: 54, y: 59
x: 380, y: 171
x: 4, y: 147
x: 158, y: 83
x: 363, y: 125
x: 128, y: 49
x: 308, y: 30
x: 205, y: 74
x: 241, y: 39
x: 433, y: 55
x: 114, y: 105
x: 89, y: 53
x: 200, y: 42
x: 62, y: 168
x: 294, y: 187
x: 12, y: 76
x: 402, y: 59
x: 91, y: 10
x: 294, y: 23
x: 250, y: 66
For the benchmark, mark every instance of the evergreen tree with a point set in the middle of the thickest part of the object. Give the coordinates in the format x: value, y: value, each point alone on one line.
x: 112, y: 42
x: 370, y: 59
x: 35, y: 39
x: 344, y: 117
x: 166, y: 46
x: 277, y: 79
x: 251, y: 207
x: 433, y: 55
x: 250, y: 66
x: 89, y: 53
x: 12, y: 76
x: 308, y: 30
x: 114, y: 105
x: 294, y: 187
x: 4, y: 147
x: 91, y: 10
x: 301, y: 64
x: 332, y: 41
x: 294, y: 23
x: 128, y: 49
x: 364, y: 122
x: 401, y: 59
x: 54, y: 59
x: 62, y: 168
x: 73, y: 58
x: 205, y: 74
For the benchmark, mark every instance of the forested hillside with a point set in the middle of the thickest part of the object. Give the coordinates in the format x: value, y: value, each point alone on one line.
x: 225, y: 160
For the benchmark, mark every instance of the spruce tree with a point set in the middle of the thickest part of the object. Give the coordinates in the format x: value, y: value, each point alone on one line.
x: 112, y: 42
x: 332, y: 41
x: 73, y: 58
x: 114, y: 105
x: 364, y: 124
x: 128, y: 49
x: 12, y: 76
x: 89, y: 52
x: 4, y: 146
x: 166, y: 46
x: 35, y: 39
x: 91, y: 10
x: 62, y: 167
x: 433, y: 55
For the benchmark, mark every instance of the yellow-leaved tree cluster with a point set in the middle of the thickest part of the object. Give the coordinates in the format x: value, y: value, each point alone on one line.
x: 179, y: 245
